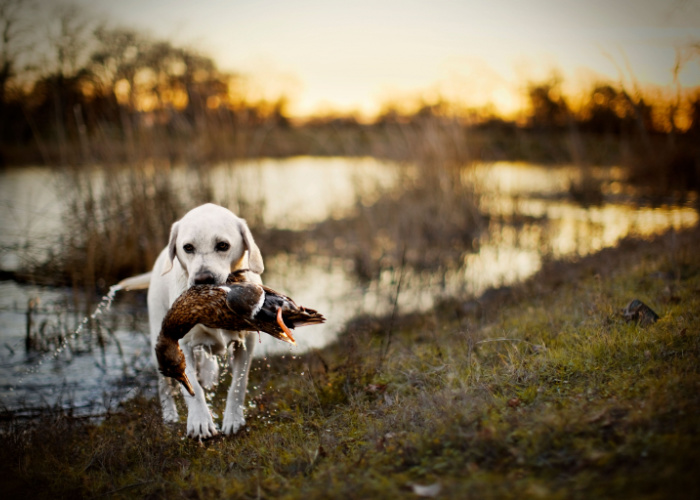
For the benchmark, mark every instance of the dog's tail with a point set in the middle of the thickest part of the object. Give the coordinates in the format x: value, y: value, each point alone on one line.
x: 139, y: 282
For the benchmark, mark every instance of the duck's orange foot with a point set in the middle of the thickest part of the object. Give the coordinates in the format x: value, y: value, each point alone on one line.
x: 284, y: 328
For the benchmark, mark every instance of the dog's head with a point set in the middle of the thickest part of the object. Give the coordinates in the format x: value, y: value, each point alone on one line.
x: 210, y: 242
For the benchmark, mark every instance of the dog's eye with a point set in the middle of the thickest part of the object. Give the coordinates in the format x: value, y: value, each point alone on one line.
x: 222, y: 246
x: 189, y: 248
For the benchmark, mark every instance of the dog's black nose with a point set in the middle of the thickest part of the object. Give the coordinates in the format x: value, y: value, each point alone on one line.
x: 204, y: 278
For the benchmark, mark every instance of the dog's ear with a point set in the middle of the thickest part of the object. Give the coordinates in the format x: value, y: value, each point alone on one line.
x: 255, y: 260
x: 172, y: 249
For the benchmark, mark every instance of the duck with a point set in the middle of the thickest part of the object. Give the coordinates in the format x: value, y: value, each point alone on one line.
x: 237, y: 305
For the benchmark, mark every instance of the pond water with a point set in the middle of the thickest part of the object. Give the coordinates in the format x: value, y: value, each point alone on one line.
x: 531, y: 217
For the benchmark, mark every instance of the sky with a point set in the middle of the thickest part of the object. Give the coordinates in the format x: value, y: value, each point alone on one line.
x: 342, y: 56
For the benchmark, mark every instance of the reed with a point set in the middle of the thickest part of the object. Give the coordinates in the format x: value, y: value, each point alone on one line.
x: 117, y: 222
x: 116, y: 226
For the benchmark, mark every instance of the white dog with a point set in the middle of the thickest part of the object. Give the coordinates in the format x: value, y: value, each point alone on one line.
x: 205, y: 245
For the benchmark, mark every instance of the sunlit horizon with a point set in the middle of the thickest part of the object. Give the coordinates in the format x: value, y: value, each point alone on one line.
x: 330, y: 58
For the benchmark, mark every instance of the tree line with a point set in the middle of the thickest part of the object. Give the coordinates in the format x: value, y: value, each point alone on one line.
x: 115, y: 82
x: 85, y: 86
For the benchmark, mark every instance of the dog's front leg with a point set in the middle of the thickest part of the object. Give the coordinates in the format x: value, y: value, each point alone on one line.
x: 240, y: 355
x: 200, y: 425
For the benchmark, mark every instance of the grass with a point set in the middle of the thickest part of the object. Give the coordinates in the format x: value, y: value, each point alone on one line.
x: 545, y: 393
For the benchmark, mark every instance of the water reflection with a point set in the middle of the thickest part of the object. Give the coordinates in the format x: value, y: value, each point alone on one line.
x: 87, y: 377
x: 573, y: 229
x: 297, y: 192
x: 31, y: 209
x: 515, y: 190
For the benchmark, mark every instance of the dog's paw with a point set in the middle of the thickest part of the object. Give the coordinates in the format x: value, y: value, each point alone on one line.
x: 201, y: 430
x: 233, y: 422
x: 200, y: 424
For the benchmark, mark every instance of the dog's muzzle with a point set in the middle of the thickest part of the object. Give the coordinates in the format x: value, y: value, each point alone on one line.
x: 205, y: 278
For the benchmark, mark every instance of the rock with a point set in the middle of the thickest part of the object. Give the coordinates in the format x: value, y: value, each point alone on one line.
x: 640, y: 312
x: 431, y: 490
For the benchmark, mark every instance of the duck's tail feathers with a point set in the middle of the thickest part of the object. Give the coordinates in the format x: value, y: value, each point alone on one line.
x: 303, y: 317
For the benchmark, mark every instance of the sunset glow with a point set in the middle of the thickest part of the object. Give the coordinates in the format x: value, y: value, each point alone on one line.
x: 327, y: 56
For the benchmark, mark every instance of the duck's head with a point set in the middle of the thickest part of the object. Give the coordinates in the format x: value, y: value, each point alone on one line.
x: 171, y: 362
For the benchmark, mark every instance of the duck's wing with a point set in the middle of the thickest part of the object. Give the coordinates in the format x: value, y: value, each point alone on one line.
x: 245, y: 298
x: 259, y: 306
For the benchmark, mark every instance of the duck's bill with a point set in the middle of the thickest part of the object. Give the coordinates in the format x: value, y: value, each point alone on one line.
x: 186, y: 383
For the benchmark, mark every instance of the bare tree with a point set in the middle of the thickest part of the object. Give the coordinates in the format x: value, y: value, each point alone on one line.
x: 70, y: 40
x: 13, y: 39
x: 119, y: 56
